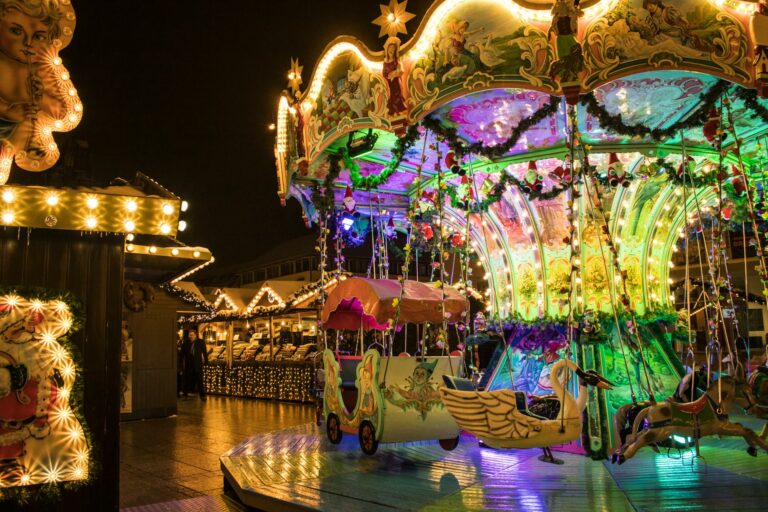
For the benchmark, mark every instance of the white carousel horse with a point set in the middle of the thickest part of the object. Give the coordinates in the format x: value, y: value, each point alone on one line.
x: 705, y: 416
x: 501, y: 419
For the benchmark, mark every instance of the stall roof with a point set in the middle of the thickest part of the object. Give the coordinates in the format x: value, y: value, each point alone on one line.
x: 234, y: 298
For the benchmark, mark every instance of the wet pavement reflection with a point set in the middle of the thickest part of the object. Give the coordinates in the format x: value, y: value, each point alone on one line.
x: 178, y: 457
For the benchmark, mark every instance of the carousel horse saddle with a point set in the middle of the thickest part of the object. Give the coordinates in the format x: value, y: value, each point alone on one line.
x: 694, y: 407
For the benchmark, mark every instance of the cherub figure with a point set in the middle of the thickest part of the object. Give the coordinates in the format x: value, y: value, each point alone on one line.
x: 36, y: 95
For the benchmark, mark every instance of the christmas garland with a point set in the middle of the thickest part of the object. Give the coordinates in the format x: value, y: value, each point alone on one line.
x: 497, y: 191
x: 402, y: 145
x: 322, y: 195
x: 188, y: 297
x: 685, y: 178
x: 750, y: 99
x: 51, y: 492
x: 665, y: 316
x: 614, y: 122
x: 450, y: 135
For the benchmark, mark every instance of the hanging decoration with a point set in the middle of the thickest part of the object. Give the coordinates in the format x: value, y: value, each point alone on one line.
x: 43, y: 435
x: 393, y: 18
x: 616, y: 175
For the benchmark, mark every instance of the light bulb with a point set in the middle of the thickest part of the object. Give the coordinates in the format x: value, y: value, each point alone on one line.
x: 130, y: 237
x: 130, y: 225
x: 129, y: 247
x: 165, y: 229
x: 92, y: 203
x: 182, y: 225
x: 196, y: 254
x: 90, y: 222
x: 153, y: 249
x: 184, y: 206
x: 8, y: 196
x: 175, y: 251
x: 167, y: 209
x: 8, y: 217
x: 131, y: 205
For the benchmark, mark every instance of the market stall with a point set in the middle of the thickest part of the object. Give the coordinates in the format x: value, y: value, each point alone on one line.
x: 262, y: 341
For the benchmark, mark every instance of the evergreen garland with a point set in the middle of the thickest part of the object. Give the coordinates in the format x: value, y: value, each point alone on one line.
x: 188, y: 297
x: 449, y: 133
x: 497, y: 191
x: 322, y: 195
x: 751, y: 101
x: 691, y: 180
x: 615, y: 123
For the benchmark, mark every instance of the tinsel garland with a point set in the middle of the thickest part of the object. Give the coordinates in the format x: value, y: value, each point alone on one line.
x: 188, y: 297
x: 50, y: 493
x: 615, y: 124
x: 449, y: 133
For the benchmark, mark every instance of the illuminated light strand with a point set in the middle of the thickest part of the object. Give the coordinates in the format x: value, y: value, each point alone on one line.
x: 325, y: 62
x: 192, y: 271
x: 68, y: 209
x: 440, y: 15
x: 271, y: 293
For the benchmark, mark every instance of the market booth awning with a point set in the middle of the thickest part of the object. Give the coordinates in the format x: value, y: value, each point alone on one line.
x: 370, y: 304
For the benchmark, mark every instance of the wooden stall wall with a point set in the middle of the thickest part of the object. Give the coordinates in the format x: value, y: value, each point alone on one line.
x: 154, y: 362
x: 91, y: 267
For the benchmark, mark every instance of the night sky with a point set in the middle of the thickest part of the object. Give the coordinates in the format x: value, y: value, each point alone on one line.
x: 184, y: 91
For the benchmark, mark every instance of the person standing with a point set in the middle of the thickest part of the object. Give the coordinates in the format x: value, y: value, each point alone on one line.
x: 194, y: 354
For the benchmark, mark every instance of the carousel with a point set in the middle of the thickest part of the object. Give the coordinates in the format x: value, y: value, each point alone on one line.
x: 562, y: 161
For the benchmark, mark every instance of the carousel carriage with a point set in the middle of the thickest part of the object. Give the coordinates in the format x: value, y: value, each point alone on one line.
x: 387, y: 398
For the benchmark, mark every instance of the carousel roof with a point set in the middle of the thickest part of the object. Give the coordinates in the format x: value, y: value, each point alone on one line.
x: 485, y: 105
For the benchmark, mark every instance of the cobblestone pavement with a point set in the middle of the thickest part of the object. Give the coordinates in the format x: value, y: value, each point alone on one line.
x: 178, y: 457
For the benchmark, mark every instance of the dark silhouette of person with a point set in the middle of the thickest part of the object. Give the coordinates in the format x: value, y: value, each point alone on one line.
x: 194, y: 354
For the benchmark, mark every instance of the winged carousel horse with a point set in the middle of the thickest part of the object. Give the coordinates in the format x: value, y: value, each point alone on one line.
x: 501, y: 418
x: 705, y: 416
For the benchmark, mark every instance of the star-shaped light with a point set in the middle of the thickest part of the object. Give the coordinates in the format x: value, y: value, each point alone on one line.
x: 294, y: 75
x: 393, y: 18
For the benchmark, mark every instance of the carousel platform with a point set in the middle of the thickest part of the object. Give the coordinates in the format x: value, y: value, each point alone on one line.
x: 298, y: 469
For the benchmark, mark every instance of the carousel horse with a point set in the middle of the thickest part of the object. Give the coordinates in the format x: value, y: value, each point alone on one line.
x: 625, y: 416
x: 501, y: 418
x: 704, y: 416
x: 754, y: 399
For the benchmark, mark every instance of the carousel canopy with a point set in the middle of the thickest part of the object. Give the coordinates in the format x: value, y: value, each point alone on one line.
x: 492, y: 106
x: 370, y: 303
